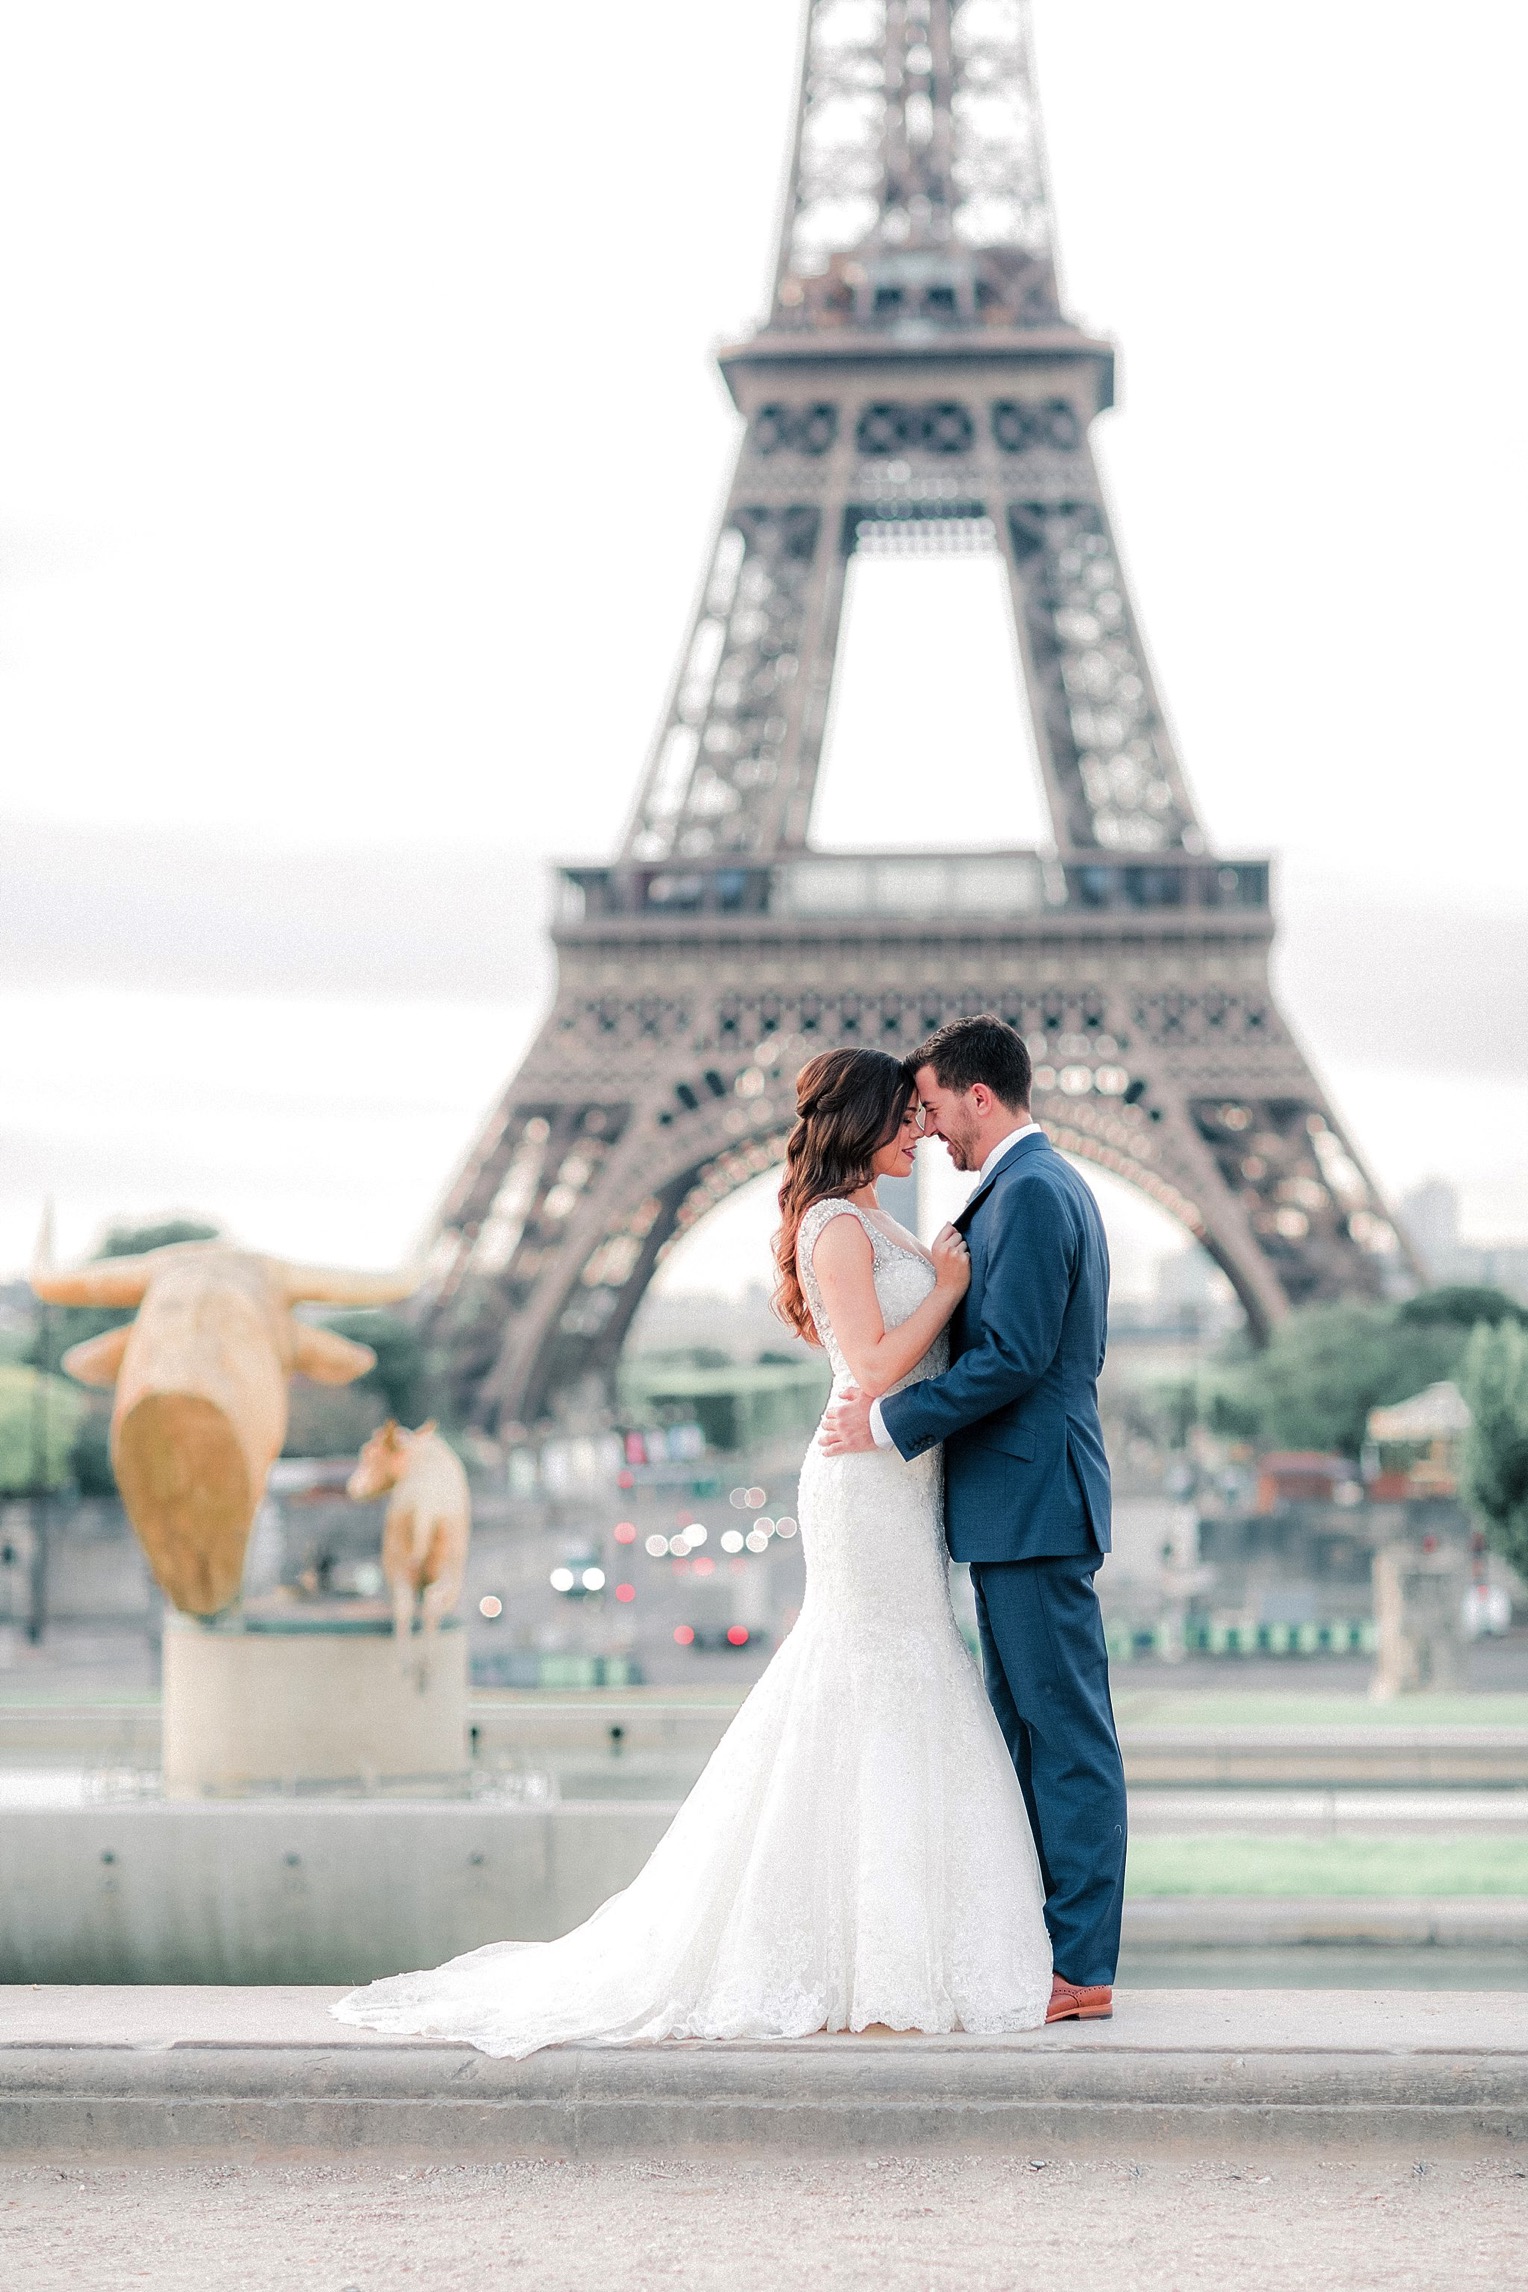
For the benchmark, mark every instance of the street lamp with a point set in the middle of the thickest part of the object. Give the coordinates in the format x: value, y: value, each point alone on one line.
x: 37, y: 1586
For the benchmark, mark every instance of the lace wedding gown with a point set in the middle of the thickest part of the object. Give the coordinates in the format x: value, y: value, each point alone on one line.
x: 857, y: 1849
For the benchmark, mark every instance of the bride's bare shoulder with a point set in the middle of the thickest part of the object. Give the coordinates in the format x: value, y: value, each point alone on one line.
x: 836, y: 1239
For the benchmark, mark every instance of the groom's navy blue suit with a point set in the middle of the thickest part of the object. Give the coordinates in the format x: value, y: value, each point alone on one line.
x: 1027, y: 1504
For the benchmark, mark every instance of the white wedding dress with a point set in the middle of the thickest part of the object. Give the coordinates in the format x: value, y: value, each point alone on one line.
x: 857, y: 1849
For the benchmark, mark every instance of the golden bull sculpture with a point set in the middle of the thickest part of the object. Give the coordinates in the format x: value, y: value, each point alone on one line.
x: 201, y: 1391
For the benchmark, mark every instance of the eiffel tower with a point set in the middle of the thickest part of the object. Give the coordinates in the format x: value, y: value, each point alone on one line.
x: 916, y: 388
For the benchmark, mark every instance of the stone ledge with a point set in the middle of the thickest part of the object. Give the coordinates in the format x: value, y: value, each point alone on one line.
x: 1245, y: 1758
x: 1399, y: 1753
x: 309, y: 1890
x: 267, y: 2072
x: 1376, y: 1921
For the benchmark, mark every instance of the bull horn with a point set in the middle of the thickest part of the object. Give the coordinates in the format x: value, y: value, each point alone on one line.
x: 110, y: 1281
x: 327, y: 1285
x: 99, y: 1360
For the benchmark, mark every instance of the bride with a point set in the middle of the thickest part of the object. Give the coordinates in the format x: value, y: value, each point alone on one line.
x: 857, y: 1851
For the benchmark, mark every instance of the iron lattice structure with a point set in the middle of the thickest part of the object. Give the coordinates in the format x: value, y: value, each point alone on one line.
x: 916, y: 387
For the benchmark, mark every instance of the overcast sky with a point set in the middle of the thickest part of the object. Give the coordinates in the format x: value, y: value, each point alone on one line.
x: 359, y: 447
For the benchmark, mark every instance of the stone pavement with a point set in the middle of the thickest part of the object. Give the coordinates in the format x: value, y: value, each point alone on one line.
x: 1033, y: 2223
x: 240, y: 2075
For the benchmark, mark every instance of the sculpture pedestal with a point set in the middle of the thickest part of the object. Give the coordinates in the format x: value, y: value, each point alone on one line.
x: 308, y: 1701
x: 1418, y: 1609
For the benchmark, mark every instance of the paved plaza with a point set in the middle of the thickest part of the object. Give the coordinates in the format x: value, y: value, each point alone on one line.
x: 1020, y: 2225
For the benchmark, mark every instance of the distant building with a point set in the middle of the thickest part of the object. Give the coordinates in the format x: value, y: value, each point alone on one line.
x: 1415, y: 1446
x: 1430, y: 1216
x: 1499, y: 1265
x: 1192, y: 1305
x: 1305, y: 1476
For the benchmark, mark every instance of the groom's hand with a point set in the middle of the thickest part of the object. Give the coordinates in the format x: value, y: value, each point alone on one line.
x: 845, y: 1429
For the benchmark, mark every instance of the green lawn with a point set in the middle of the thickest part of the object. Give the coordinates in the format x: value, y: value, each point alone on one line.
x: 1234, y: 1863
x: 1292, y: 1707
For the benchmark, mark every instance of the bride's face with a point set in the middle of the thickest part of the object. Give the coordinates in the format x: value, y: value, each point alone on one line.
x: 895, y: 1158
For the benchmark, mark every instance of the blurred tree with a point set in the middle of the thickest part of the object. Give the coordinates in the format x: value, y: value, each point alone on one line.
x: 1494, y: 1381
x: 330, y: 1420
x: 90, y: 1454
x: 399, y: 1373
x: 333, y: 1420
x: 1230, y: 1409
x: 1162, y: 1409
x: 137, y: 1241
x: 1460, y: 1305
x: 38, y: 1419
x: 1322, y: 1371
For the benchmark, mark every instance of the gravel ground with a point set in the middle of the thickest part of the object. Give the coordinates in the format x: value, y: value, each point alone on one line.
x: 897, y: 2226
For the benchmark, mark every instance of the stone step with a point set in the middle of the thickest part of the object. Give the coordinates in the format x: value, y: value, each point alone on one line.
x: 251, y: 2073
x: 532, y: 1728
x: 1328, y: 1813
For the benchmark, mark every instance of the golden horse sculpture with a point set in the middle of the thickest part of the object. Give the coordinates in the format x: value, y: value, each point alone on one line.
x: 201, y: 1401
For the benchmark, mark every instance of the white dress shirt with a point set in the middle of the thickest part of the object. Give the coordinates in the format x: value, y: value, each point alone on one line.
x: 878, y: 1432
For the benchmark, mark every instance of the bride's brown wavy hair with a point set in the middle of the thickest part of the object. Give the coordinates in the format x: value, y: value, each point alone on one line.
x: 849, y: 1104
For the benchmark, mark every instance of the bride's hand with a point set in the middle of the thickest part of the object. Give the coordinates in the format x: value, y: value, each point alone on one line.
x: 952, y: 1261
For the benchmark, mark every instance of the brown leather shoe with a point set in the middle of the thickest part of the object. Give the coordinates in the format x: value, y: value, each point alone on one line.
x: 1071, y: 2003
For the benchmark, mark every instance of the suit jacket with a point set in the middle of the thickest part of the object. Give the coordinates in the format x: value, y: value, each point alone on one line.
x: 1026, y: 1477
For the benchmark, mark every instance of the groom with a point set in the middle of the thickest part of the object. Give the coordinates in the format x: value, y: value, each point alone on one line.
x: 1026, y: 1479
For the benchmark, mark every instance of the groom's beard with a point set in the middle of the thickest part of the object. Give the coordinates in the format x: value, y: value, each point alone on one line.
x: 959, y: 1146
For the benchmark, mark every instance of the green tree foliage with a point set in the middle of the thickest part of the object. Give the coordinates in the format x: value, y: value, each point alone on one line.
x: 1494, y: 1381
x: 1162, y: 1409
x: 1460, y: 1305
x: 137, y: 1241
x: 330, y: 1420
x: 1322, y: 1371
x: 90, y: 1456
x: 333, y: 1420
x: 39, y: 1416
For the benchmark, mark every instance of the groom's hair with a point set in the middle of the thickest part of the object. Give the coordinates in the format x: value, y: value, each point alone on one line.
x: 984, y: 1049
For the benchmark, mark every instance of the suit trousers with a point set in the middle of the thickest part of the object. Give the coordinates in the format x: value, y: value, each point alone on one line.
x: 1047, y: 1672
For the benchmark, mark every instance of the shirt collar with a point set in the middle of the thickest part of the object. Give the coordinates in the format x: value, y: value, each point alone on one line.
x: 1004, y: 1146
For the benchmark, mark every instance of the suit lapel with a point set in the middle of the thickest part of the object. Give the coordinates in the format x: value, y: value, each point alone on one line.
x: 1010, y: 1159
x: 964, y: 1217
